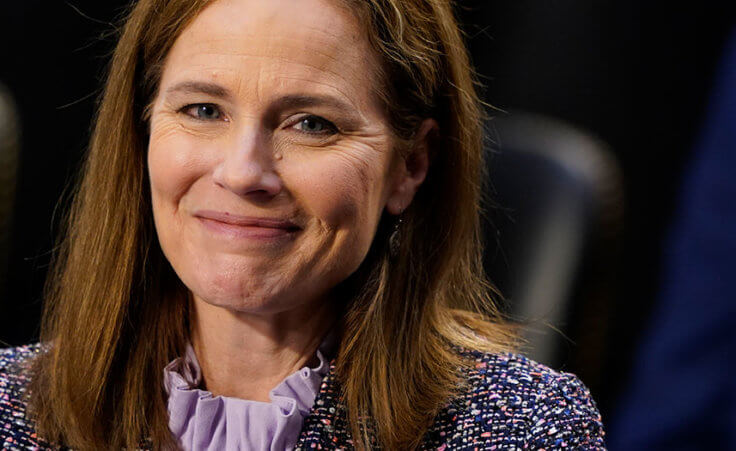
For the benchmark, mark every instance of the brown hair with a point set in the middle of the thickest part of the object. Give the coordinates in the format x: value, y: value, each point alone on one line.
x: 115, y: 312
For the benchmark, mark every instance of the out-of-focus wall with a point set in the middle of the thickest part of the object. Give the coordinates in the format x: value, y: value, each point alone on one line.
x: 52, y: 59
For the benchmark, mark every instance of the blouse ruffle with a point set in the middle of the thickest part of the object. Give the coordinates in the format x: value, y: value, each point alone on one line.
x: 201, y: 421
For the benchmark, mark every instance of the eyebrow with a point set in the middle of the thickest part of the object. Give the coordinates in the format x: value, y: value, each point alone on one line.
x: 295, y: 101
x: 211, y: 89
x: 289, y: 101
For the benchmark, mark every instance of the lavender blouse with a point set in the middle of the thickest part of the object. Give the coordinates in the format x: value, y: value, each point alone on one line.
x: 201, y: 421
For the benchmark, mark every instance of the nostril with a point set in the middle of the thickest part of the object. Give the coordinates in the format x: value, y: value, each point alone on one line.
x: 248, y: 181
x: 261, y: 192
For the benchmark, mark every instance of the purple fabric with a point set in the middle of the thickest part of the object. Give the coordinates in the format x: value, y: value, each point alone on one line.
x: 204, y: 422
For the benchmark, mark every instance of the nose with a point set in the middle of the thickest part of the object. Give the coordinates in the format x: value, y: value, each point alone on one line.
x: 247, y: 166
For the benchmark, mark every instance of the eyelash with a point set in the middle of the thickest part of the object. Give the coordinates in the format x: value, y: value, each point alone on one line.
x: 329, y: 127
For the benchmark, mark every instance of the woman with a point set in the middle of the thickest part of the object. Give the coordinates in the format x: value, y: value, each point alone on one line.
x: 275, y: 244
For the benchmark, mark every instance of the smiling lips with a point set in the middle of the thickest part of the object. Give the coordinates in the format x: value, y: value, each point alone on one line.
x: 242, y: 227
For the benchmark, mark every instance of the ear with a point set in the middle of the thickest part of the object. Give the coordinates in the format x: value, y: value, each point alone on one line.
x: 411, y: 169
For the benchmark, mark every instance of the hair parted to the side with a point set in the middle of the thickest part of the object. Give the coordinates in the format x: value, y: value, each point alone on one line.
x: 116, y: 314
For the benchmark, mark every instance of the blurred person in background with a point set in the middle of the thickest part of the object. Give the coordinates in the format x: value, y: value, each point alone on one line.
x: 274, y: 245
x: 682, y: 388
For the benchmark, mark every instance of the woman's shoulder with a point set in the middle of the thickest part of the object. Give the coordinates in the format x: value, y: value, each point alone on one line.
x: 10, y: 357
x: 511, y: 400
x: 519, y: 374
x: 15, y: 365
x: 16, y: 431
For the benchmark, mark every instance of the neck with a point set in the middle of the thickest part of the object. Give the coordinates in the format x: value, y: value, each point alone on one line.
x: 245, y: 355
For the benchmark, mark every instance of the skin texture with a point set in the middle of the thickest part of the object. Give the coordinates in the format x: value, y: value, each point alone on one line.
x: 268, y: 110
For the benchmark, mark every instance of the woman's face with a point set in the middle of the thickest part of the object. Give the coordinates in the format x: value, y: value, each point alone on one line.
x: 270, y: 157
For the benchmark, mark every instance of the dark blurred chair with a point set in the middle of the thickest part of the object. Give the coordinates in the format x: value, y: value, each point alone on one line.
x: 9, y: 149
x: 552, y: 220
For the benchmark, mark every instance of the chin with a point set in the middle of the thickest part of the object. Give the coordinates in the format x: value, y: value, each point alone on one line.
x: 244, y: 296
x: 252, y: 304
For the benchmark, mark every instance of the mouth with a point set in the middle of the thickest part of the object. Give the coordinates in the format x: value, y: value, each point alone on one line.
x: 246, y: 227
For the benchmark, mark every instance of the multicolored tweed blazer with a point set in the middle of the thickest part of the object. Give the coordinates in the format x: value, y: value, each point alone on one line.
x: 512, y: 403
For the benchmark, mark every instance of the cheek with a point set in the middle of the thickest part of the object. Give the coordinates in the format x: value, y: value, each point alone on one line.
x: 344, y: 190
x: 175, y: 162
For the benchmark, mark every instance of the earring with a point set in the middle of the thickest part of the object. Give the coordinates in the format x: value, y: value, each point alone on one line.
x: 394, y: 240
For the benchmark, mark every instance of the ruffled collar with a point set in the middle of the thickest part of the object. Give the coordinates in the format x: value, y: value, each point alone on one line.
x: 201, y: 421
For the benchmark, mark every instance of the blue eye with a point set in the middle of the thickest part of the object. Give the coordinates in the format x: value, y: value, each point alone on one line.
x: 315, y: 125
x: 203, y: 111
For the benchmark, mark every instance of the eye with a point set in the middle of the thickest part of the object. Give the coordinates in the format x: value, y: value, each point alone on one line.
x: 202, y: 111
x: 315, y: 125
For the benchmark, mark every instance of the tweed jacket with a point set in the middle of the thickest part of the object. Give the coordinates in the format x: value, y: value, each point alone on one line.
x: 511, y: 403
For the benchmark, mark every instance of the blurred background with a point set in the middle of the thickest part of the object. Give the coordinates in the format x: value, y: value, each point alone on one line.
x: 602, y: 112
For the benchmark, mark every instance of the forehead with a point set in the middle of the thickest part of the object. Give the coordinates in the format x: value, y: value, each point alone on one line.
x: 318, y: 44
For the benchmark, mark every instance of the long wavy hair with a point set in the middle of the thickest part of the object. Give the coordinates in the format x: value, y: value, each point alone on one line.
x: 116, y: 314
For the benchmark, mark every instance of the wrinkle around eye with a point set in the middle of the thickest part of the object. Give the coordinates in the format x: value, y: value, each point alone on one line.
x: 297, y: 139
x: 346, y: 145
x: 166, y: 124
